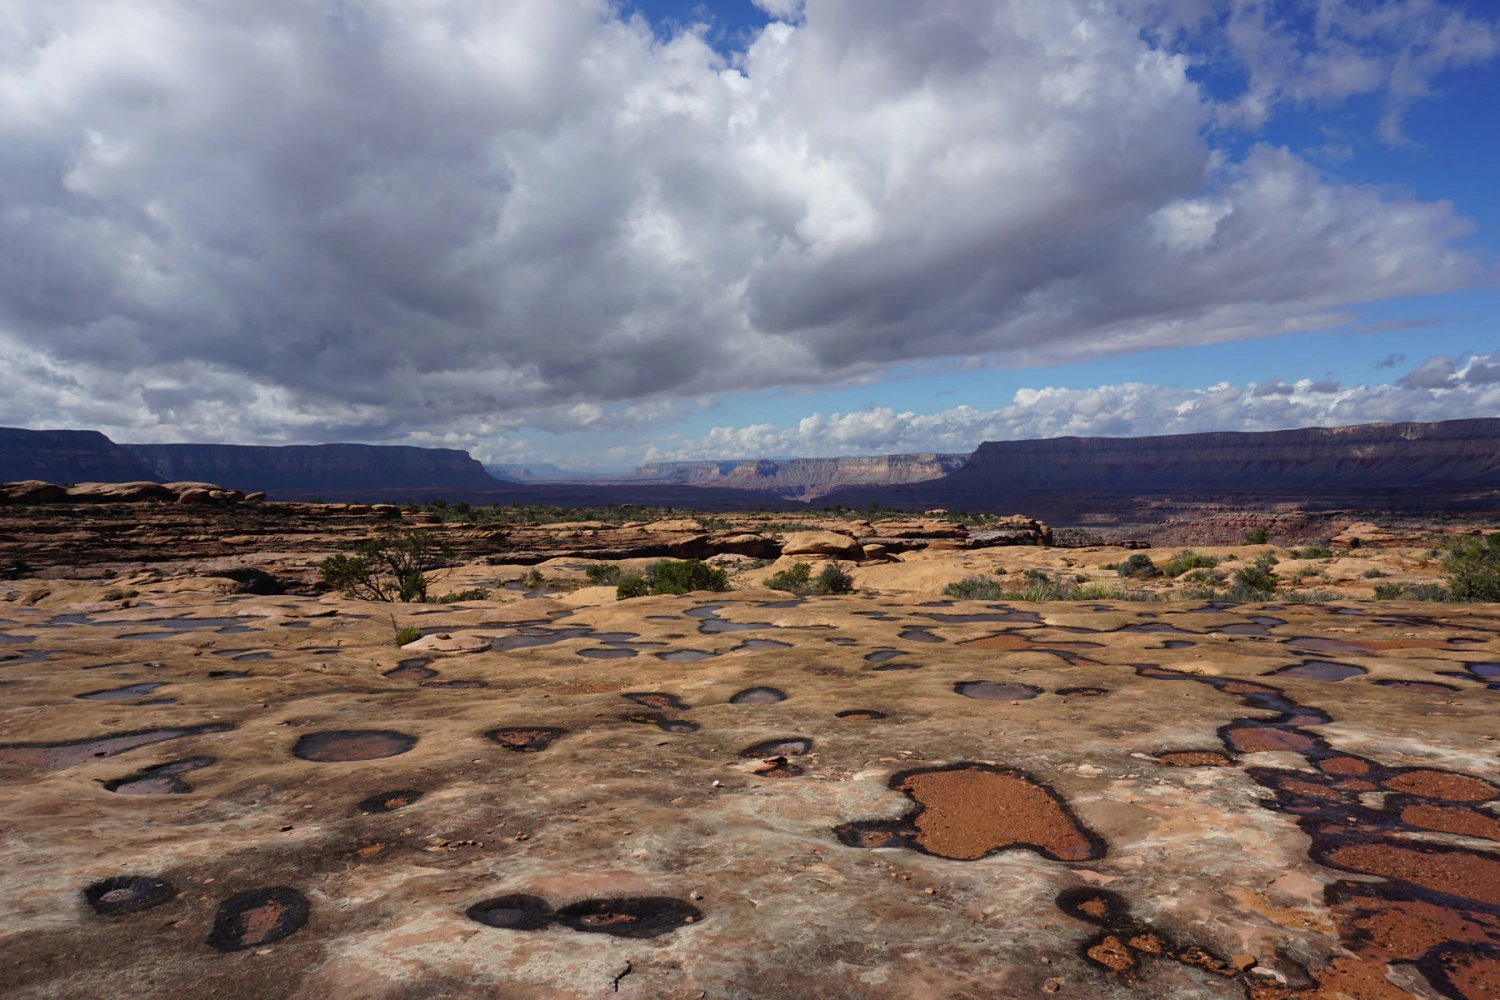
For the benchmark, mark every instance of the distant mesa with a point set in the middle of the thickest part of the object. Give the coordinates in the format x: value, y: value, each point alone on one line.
x: 1417, y: 466
x: 802, y: 478
x: 1421, y: 465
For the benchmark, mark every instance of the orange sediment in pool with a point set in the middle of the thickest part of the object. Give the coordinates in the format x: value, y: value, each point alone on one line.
x: 1451, y: 819
x: 1194, y: 758
x: 970, y: 812
x: 1344, y: 765
x: 1442, y: 785
x: 1455, y: 873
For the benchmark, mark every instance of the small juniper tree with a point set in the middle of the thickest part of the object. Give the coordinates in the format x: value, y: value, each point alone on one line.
x: 391, y: 567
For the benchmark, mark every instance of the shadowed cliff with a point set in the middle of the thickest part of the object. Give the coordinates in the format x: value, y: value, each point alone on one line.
x: 1410, y: 465
x: 68, y: 457
x: 335, y: 468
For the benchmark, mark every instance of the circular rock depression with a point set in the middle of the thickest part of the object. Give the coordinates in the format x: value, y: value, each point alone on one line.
x: 258, y: 917
x: 341, y: 745
x: 127, y: 894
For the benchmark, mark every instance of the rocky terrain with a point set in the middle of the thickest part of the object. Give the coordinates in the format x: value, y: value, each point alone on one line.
x: 219, y: 790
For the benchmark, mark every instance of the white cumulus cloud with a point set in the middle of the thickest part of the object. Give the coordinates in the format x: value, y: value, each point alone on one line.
x: 322, y: 220
x: 1439, y: 389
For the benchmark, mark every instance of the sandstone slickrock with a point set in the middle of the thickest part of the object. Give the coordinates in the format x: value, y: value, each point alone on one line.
x: 821, y: 543
x: 369, y: 830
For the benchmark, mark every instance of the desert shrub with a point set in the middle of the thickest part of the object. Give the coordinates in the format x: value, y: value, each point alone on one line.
x: 1139, y: 566
x: 1374, y: 573
x: 798, y: 579
x: 459, y: 596
x: 1038, y: 586
x: 391, y: 567
x: 1260, y: 536
x: 1092, y: 592
x: 683, y: 576
x: 1187, y: 560
x: 1109, y: 566
x: 672, y: 576
x: 1472, y: 568
x: 976, y: 588
x: 631, y: 586
x: 794, y: 579
x: 409, y: 634
x: 1255, y: 581
x: 1204, y: 577
x: 834, y: 579
x: 1411, y: 592
x: 1312, y: 552
x: 1309, y: 597
x: 533, y: 580
x: 603, y: 575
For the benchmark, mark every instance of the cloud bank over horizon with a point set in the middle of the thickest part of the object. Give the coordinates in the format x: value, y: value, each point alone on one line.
x: 268, y: 223
x: 1441, y: 388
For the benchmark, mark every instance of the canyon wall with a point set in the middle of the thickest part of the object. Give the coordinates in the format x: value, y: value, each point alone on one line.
x: 1427, y: 464
x: 67, y: 457
x: 803, y: 478
x: 335, y: 469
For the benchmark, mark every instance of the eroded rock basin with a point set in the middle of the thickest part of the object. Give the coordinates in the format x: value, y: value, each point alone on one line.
x: 1066, y: 801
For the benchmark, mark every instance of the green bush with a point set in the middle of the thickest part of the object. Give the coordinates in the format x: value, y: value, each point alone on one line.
x: 392, y: 567
x: 683, y: 576
x: 795, y: 579
x: 632, y: 586
x: 459, y: 596
x: 1374, y: 573
x: 976, y: 588
x: 1312, y: 552
x: 1411, y: 592
x: 798, y: 579
x: 1187, y: 560
x: 1204, y: 577
x: 603, y: 575
x: 1260, y: 536
x: 1255, y: 581
x: 409, y: 634
x: 1472, y: 568
x: 1139, y: 566
x: 672, y: 576
x: 834, y: 580
x: 1310, y: 597
x: 1040, y: 587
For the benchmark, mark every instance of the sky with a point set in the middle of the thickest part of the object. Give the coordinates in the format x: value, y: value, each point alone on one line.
x: 594, y: 233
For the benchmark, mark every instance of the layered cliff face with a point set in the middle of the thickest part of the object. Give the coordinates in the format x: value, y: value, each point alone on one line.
x: 334, y: 468
x: 1370, y: 461
x: 67, y: 457
x: 803, y: 477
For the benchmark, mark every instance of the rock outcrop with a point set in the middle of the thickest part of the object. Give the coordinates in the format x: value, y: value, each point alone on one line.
x: 336, y: 469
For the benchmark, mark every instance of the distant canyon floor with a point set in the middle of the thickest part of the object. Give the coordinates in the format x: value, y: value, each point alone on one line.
x: 886, y: 794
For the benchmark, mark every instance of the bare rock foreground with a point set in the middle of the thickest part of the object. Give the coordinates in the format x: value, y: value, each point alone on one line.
x: 882, y: 795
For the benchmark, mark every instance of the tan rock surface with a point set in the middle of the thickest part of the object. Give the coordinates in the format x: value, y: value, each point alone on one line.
x: 809, y: 869
x: 821, y: 543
